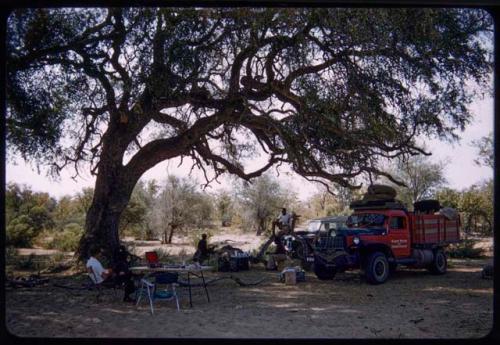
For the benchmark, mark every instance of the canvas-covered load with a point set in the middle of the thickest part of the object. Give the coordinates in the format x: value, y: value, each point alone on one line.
x: 382, y: 191
x: 434, y: 228
x: 449, y: 213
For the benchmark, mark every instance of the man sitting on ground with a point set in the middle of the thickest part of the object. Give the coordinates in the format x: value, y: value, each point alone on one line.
x: 278, y: 256
x: 203, y: 251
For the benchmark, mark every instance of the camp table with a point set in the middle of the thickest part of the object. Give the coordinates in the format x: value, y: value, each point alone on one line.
x: 194, y: 270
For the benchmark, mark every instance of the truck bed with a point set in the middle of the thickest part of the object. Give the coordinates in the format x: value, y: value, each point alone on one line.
x: 430, y: 229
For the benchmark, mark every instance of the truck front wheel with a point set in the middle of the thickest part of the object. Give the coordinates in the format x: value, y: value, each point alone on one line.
x: 439, y: 264
x: 377, y: 268
x: 323, y: 272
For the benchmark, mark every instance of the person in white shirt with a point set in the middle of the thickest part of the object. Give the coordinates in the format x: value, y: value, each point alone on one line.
x: 284, y: 222
x: 96, y: 271
x: 285, y: 219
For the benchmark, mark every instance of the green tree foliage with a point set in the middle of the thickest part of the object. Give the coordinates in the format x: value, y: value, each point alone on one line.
x: 144, y: 196
x: 27, y: 214
x: 328, y: 92
x: 477, y: 205
x: 449, y: 197
x: 67, y: 239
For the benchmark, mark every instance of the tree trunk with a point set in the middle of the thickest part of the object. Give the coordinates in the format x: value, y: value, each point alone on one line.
x: 111, y: 196
x: 172, y: 230
x: 261, y: 227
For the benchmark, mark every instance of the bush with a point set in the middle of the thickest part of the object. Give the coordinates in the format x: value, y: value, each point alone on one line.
x: 68, y: 239
x: 20, y: 233
x: 163, y: 255
x: 465, y: 249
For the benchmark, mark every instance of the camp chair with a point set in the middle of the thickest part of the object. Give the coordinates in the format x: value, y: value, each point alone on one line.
x: 99, y: 287
x: 152, y: 258
x: 153, y: 292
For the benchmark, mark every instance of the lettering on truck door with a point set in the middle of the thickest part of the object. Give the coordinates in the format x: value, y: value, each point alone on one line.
x: 399, y: 236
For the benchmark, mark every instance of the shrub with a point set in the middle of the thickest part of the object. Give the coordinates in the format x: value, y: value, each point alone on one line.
x: 163, y: 255
x: 20, y: 233
x: 68, y: 239
x: 465, y: 249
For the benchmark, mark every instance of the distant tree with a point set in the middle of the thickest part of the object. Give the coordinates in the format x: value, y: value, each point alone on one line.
x: 178, y: 206
x: 225, y: 207
x: 146, y: 192
x: 327, y: 91
x: 477, y: 205
x: 422, y: 177
x: 449, y: 197
x: 486, y: 154
x: 261, y: 201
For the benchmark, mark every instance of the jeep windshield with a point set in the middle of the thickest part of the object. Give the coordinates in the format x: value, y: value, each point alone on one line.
x: 314, y: 225
x: 366, y: 220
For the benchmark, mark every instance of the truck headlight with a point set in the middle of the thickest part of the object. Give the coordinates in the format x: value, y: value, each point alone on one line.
x: 356, y: 240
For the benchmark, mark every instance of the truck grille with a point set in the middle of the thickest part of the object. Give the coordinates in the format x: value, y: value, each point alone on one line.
x: 336, y: 242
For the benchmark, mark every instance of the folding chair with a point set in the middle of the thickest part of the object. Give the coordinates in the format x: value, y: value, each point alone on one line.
x: 153, y: 260
x: 153, y: 292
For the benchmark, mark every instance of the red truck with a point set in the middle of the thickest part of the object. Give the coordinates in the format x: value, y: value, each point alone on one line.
x: 379, y: 238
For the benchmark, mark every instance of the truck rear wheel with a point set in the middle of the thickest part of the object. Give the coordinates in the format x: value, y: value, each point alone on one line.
x: 323, y: 272
x: 377, y: 268
x: 439, y: 263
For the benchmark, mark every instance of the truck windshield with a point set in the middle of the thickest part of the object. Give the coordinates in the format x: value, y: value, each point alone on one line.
x: 313, y: 225
x: 366, y: 220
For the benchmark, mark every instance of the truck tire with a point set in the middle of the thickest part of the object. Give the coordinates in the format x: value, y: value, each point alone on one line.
x: 377, y: 268
x: 323, y: 272
x: 439, y: 263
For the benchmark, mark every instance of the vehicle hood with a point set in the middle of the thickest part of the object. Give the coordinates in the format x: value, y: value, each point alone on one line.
x: 360, y: 231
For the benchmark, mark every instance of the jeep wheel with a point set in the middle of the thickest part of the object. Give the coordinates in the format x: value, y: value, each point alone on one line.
x: 323, y: 272
x: 439, y: 264
x: 377, y: 268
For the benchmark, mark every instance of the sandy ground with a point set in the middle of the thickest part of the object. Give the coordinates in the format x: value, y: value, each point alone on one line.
x: 412, y: 304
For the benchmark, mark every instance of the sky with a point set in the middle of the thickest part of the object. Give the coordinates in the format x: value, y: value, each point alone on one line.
x: 461, y: 172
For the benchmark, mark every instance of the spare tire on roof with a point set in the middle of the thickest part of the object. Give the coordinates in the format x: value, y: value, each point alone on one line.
x: 382, y: 197
x: 430, y: 205
x: 382, y: 189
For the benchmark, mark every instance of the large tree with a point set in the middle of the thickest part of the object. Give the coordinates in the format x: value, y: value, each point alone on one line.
x: 326, y: 91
